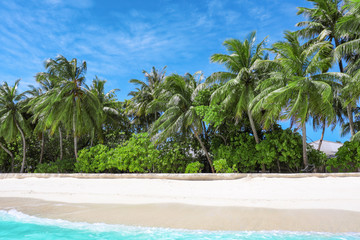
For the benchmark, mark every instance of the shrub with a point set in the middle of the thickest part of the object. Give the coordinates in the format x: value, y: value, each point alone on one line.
x: 281, y: 149
x: 347, y: 158
x: 194, y: 167
x: 221, y: 166
x: 138, y: 154
x: 59, y: 166
x: 93, y: 160
x: 240, y: 154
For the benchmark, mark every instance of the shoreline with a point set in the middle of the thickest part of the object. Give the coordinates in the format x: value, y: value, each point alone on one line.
x: 190, y: 217
x: 307, y: 203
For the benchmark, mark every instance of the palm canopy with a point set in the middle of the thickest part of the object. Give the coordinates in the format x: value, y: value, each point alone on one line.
x: 321, y: 20
x: 107, y: 105
x: 143, y: 101
x: 301, y: 89
x: 242, y: 78
x: 180, y: 116
x: 11, y: 107
x: 12, y: 122
x: 70, y: 103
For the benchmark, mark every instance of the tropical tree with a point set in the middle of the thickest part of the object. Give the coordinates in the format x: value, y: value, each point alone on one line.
x: 301, y: 87
x: 240, y: 82
x: 144, y: 101
x: 70, y: 103
x: 180, y: 116
x: 108, y: 106
x: 12, y: 121
x: 322, y: 24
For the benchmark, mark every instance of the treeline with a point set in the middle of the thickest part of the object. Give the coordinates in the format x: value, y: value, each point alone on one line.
x: 174, y: 123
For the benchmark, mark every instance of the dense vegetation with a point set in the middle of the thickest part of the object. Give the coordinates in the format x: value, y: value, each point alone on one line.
x: 224, y: 123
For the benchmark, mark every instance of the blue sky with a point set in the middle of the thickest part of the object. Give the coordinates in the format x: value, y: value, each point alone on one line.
x: 119, y: 39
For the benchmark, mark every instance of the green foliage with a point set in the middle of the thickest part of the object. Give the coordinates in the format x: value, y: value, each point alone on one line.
x: 281, y: 149
x: 138, y: 154
x: 240, y: 154
x: 194, y: 167
x: 173, y: 157
x: 221, y: 166
x: 316, y: 157
x: 92, y: 160
x: 59, y: 166
x: 347, y: 158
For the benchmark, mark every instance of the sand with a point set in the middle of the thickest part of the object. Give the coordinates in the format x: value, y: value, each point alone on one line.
x: 326, y: 203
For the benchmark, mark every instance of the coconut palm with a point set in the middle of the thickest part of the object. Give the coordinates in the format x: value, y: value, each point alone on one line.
x: 242, y: 77
x: 321, y: 24
x: 241, y: 80
x: 302, y: 88
x: 143, y: 103
x: 12, y: 121
x: 108, y: 105
x: 70, y: 103
x: 180, y: 116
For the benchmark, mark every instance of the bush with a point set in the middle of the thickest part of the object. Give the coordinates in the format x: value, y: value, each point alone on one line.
x: 347, y: 158
x: 138, y: 154
x: 194, y: 167
x: 240, y: 154
x: 281, y: 149
x: 93, y: 160
x: 221, y: 166
x: 59, y: 166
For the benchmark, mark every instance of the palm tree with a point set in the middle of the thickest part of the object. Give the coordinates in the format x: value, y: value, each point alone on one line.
x: 108, y: 105
x: 301, y: 87
x: 321, y: 24
x: 70, y: 103
x: 143, y: 102
x: 12, y: 122
x: 242, y: 78
x: 180, y: 115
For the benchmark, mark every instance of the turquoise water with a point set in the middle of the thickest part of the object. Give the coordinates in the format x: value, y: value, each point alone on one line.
x: 16, y: 225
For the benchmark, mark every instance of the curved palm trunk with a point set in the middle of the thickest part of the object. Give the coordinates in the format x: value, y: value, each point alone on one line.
x: 206, y: 152
x: 348, y: 107
x: 305, y: 159
x: 322, y: 136
x: 351, y: 121
x: 253, y: 128
x: 61, y: 144
x: 24, y: 147
x: 10, y: 154
x: 42, y: 147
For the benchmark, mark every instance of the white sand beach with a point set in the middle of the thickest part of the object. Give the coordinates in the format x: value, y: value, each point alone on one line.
x: 328, y: 203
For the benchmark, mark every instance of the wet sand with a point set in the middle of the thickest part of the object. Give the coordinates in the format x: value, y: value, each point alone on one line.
x: 330, y: 204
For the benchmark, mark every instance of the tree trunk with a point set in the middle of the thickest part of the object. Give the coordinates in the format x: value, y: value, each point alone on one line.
x: 348, y: 107
x: 305, y: 159
x: 10, y: 154
x: 206, y: 152
x: 253, y: 128
x: 351, y: 121
x: 24, y: 147
x: 322, y: 135
x: 42, y: 147
x: 61, y: 144
x: 75, y: 136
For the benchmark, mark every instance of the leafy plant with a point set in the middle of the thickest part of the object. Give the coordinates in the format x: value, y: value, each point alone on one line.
x: 92, y: 160
x: 221, y: 166
x: 347, y: 158
x: 194, y: 167
x: 59, y: 166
